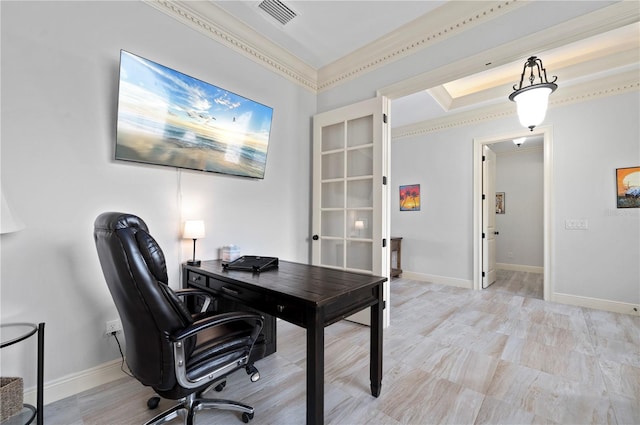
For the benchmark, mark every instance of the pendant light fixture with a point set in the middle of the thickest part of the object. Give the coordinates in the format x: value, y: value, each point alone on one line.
x: 519, y: 141
x: 532, y: 100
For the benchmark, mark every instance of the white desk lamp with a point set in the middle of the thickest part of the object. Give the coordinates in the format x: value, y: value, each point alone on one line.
x: 193, y: 229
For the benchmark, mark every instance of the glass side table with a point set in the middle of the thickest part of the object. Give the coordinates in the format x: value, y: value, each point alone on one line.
x: 13, y: 333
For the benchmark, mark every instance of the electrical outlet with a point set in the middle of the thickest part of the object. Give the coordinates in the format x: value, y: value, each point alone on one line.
x: 113, y: 326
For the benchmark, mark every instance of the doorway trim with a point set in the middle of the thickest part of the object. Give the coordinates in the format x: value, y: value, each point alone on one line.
x: 478, y: 144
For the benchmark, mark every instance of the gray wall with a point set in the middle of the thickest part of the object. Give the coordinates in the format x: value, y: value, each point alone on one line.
x: 520, y: 175
x: 59, y: 92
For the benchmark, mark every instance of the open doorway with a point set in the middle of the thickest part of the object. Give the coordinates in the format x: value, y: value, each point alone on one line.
x: 512, y: 217
x: 483, y: 250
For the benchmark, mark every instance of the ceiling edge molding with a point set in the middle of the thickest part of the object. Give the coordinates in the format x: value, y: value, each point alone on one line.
x: 448, y: 20
x: 442, y: 97
x: 242, y: 39
x: 608, y: 86
x: 602, y: 20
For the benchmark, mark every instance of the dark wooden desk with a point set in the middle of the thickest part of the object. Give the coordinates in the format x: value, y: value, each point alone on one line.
x: 308, y: 296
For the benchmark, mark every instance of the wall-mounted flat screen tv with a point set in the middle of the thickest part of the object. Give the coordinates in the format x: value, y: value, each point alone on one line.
x: 169, y: 118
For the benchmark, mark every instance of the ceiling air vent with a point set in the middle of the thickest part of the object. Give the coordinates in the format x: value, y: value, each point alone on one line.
x: 278, y: 10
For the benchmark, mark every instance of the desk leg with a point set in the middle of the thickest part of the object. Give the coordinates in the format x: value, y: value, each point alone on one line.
x: 375, y: 363
x: 315, y: 369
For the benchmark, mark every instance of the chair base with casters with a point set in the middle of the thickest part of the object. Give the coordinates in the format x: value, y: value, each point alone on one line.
x: 194, y: 402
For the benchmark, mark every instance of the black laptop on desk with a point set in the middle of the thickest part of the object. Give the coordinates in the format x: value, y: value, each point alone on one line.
x: 252, y: 263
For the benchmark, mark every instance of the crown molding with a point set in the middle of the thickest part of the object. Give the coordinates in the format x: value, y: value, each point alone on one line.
x: 447, y: 22
x: 450, y: 19
x: 597, y: 22
x: 239, y: 37
x: 603, y: 87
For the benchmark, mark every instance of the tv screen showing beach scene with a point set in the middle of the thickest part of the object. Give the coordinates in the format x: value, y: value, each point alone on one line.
x: 168, y: 118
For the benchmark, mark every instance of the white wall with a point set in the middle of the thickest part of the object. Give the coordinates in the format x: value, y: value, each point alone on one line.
x: 436, y: 239
x: 59, y: 91
x: 520, y: 175
x: 591, y: 140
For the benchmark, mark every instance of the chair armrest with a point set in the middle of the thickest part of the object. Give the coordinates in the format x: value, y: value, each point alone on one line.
x: 217, y: 320
x: 189, y: 292
x: 192, y: 292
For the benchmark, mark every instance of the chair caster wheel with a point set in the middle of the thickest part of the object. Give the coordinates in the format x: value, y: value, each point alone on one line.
x: 153, y: 402
x: 246, y: 417
x: 220, y: 386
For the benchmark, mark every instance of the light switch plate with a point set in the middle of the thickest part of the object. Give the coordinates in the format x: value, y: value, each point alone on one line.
x: 576, y: 224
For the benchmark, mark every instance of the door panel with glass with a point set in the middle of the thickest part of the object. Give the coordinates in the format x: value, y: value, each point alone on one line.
x: 349, y: 197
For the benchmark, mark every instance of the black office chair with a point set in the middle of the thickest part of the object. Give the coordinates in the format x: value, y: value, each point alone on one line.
x: 180, y: 354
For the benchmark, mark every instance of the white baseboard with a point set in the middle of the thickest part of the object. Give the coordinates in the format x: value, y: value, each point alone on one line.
x: 442, y: 280
x: 520, y: 268
x: 77, y: 382
x: 596, y: 303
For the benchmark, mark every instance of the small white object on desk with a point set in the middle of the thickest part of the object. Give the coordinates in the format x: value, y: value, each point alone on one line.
x: 230, y: 253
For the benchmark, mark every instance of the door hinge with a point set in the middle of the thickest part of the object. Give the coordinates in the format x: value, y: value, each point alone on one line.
x: 483, y: 274
x: 484, y: 197
x: 484, y: 158
x: 384, y: 118
x: 482, y: 235
x: 384, y: 180
x: 384, y: 305
x: 384, y: 243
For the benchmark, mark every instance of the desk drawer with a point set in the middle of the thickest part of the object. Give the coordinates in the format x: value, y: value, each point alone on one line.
x: 237, y: 292
x: 262, y: 302
x: 194, y: 278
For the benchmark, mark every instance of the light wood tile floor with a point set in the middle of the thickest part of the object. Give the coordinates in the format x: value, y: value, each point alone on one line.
x: 452, y: 356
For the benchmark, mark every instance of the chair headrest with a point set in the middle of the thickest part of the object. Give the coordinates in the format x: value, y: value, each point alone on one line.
x: 117, y: 220
x: 147, y: 245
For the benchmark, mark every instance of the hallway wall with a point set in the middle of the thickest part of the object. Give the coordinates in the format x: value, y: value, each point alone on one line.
x: 520, y: 175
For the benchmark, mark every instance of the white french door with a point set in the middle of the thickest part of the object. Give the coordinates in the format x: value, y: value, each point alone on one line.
x: 350, y: 194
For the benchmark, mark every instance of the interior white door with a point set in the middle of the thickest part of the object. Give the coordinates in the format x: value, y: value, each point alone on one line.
x: 350, y: 195
x: 489, y: 231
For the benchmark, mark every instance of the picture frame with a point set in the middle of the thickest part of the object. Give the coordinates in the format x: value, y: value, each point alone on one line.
x: 500, y: 203
x: 410, y: 197
x: 171, y: 119
x: 628, y: 187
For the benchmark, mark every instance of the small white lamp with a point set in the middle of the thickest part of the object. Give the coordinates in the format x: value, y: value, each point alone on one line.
x: 193, y: 229
x: 359, y: 224
x: 9, y: 222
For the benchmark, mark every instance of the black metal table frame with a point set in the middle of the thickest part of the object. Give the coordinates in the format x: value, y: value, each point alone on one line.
x: 39, y: 329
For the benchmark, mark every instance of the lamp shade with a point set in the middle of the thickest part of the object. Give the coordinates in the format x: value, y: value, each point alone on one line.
x: 9, y: 222
x: 193, y: 229
x: 532, y: 100
x: 359, y: 224
x: 532, y: 105
x: 519, y: 141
